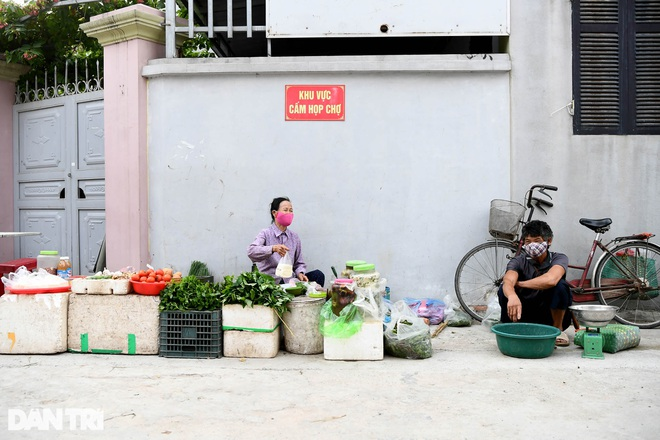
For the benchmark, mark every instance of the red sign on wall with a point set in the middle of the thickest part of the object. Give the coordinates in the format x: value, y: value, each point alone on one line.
x: 314, y: 103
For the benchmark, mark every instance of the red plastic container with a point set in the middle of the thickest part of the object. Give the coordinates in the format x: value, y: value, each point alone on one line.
x: 148, y: 288
x: 36, y: 290
x: 13, y: 265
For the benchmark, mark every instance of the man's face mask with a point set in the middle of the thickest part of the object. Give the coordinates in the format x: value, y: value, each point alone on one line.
x: 535, y: 249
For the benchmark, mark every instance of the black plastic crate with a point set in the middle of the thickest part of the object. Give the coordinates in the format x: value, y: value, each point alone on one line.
x: 190, y: 334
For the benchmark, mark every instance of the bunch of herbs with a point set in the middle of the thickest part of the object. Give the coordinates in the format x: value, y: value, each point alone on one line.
x: 199, y: 269
x: 190, y: 294
x: 255, y: 289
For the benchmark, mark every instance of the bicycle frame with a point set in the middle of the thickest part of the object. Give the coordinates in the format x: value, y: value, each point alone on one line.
x: 581, y: 288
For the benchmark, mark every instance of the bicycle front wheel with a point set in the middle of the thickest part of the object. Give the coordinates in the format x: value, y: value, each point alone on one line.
x: 479, y: 275
x: 635, y: 266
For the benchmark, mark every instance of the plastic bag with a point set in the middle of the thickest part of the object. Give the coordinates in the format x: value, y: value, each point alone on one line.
x: 454, y: 316
x: 284, y: 268
x: 24, y: 279
x: 493, y: 313
x: 370, y: 300
x: 430, y: 308
x: 616, y: 337
x: 407, y: 335
x: 387, y: 310
x: 348, y: 323
x: 310, y: 288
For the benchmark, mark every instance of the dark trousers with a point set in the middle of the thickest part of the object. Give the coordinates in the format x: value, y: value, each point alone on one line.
x: 316, y: 275
x: 536, y: 304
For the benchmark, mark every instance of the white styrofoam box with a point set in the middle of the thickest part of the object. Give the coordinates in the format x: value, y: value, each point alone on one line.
x: 365, y: 345
x: 126, y: 324
x: 251, y: 332
x: 236, y: 343
x: 33, y: 324
x: 100, y: 287
x: 259, y: 317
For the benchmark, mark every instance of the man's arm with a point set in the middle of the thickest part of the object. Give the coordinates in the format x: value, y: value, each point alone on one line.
x: 514, y: 307
x: 545, y: 281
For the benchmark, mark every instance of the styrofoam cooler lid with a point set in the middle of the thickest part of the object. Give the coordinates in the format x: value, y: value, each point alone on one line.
x: 303, y: 301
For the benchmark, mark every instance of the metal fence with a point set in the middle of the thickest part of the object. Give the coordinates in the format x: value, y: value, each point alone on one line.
x: 56, y: 84
x: 190, y: 28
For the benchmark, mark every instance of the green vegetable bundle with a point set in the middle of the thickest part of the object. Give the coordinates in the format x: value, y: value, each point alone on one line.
x: 199, y: 269
x: 255, y: 289
x: 190, y: 294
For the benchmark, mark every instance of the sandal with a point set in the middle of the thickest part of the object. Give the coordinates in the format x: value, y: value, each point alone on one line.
x: 562, y: 340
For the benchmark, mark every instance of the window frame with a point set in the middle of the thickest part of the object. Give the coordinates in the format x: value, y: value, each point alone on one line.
x: 626, y: 29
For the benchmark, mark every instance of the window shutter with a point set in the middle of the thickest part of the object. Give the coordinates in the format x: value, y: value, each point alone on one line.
x: 597, y: 79
x: 616, y: 66
x: 647, y: 66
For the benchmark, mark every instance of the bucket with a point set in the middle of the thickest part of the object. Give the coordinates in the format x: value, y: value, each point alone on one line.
x: 301, y: 332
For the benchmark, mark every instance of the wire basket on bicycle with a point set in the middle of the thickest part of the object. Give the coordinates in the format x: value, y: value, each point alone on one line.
x: 505, y: 218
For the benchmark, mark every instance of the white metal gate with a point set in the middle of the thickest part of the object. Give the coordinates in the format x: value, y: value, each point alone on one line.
x: 59, y: 175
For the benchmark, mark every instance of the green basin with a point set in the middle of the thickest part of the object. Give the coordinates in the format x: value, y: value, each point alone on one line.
x: 296, y: 290
x: 525, y: 340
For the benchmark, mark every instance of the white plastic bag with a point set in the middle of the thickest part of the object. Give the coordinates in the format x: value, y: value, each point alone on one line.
x: 285, y: 266
x: 454, y: 316
x: 370, y: 300
x: 493, y: 313
x: 407, y: 335
x: 24, y: 279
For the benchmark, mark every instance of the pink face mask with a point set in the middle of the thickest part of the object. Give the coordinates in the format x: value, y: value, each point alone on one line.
x: 284, y: 218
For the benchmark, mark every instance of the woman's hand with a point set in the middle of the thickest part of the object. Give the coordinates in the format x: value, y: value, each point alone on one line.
x: 280, y: 249
x: 303, y: 277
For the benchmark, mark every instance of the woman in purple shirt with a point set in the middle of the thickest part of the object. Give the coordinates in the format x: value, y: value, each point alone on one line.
x: 275, y: 241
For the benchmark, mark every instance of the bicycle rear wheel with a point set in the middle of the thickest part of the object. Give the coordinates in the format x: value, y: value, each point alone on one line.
x: 635, y: 264
x: 479, y: 275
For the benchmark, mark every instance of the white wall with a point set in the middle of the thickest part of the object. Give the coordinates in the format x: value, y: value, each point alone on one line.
x: 598, y: 176
x: 404, y: 182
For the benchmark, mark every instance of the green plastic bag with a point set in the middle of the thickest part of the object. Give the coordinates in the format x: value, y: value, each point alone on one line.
x: 348, y: 323
x: 616, y: 337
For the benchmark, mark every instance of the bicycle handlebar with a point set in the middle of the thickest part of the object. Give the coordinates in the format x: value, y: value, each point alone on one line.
x: 542, y: 202
x: 541, y: 188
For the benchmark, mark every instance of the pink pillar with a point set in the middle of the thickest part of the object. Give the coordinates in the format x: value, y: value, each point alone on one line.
x: 9, y: 74
x: 131, y: 37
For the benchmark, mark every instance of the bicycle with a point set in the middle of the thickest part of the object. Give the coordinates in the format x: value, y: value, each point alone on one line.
x: 625, y: 275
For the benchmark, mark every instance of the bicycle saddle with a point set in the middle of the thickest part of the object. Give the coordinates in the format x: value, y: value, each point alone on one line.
x: 597, y: 225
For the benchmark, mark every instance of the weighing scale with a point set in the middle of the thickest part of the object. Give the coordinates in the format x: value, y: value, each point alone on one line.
x: 593, y: 343
x: 593, y: 317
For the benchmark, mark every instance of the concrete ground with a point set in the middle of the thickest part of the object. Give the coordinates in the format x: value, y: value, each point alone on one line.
x: 467, y: 390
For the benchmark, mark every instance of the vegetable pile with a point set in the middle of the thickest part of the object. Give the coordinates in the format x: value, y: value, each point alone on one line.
x: 255, y: 289
x: 417, y: 345
x: 199, y: 269
x: 156, y: 275
x: 190, y: 294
